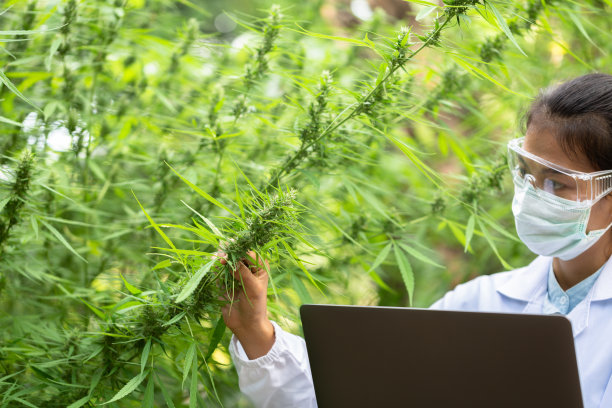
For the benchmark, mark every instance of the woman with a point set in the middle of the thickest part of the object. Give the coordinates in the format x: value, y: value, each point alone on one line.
x: 562, y: 172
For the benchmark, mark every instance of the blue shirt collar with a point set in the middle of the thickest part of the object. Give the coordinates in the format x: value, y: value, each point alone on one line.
x: 560, y: 301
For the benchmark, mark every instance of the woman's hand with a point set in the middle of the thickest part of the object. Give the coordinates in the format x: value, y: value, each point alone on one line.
x: 247, y: 315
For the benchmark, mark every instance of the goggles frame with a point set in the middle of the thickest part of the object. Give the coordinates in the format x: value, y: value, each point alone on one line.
x: 596, y: 184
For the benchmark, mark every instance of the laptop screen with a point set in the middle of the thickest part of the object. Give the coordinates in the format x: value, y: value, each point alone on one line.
x: 395, y: 357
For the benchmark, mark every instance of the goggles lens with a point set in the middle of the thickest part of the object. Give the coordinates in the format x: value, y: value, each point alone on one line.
x: 556, y: 180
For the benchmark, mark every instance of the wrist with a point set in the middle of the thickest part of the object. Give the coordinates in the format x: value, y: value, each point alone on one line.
x: 251, y: 326
x: 257, y: 340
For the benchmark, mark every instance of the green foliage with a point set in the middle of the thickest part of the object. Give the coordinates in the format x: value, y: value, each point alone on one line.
x: 365, y: 162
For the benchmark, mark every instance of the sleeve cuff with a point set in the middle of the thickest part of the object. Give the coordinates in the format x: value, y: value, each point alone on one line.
x: 242, y: 359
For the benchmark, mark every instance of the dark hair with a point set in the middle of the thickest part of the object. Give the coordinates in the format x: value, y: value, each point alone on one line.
x: 580, y: 111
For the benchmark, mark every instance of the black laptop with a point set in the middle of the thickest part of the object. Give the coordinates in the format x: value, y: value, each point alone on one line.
x: 403, y: 357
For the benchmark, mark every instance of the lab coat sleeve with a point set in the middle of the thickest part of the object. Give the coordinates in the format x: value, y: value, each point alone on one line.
x: 279, y: 379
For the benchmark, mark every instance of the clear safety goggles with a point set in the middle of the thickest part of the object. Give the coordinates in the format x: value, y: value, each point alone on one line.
x: 583, y: 188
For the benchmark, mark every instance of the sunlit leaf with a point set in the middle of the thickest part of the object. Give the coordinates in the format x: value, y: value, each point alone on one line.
x: 7, y: 82
x: 405, y: 271
x: 133, y: 289
x: 128, y: 388
x: 145, y: 355
x: 61, y: 239
x: 189, y: 357
x: 194, y: 281
x: 503, y: 25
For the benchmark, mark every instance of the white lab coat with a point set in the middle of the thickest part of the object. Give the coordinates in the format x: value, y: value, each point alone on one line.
x: 282, y: 378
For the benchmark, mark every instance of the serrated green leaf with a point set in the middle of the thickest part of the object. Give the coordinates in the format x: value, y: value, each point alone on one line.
x: 21, y: 401
x: 333, y: 37
x: 503, y: 25
x: 459, y: 59
x: 427, y: 171
x: 79, y: 403
x: 425, y: 11
x: 378, y: 280
x: 492, y: 244
x: 382, y: 69
x: 380, y: 258
x: 493, y: 224
x: 100, y: 314
x: 259, y: 193
x: 299, y: 263
x: 10, y: 122
x: 215, y: 337
x: 175, y: 319
x: 128, y: 388
x: 212, y: 226
x: 7, y: 82
x: 61, y: 239
x: 469, y: 232
x: 193, y: 389
x: 191, y: 351
x: 3, y: 203
x: 145, y: 355
x: 419, y: 255
x: 133, y: 289
x: 163, y: 264
x: 32, y: 221
x: 422, y: 2
x: 96, y: 170
x: 148, y: 398
x: 167, y: 398
x: 239, y: 199
x: 155, y: 225
x: 193, y: 282
x: 26, y: 32
x: 55, y: 44
x: 95, y: 379
x: 405, y: 271
x: 300, y: 289
x: 572, y: 15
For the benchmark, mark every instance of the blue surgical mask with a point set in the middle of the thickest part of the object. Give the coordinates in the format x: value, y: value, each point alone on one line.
x: 549, y: 225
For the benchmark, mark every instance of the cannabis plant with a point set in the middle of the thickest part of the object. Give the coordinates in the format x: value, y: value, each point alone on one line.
x: 360, y: 152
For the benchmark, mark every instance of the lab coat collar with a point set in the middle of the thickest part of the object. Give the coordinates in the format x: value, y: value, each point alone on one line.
x: 529, y: 284
x: 602, y: 289
x: 527, y: 281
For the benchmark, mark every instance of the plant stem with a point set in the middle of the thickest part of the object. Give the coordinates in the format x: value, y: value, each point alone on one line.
x: 356, y: 109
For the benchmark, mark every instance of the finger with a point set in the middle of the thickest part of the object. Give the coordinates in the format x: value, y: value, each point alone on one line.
x: 254, y: 260
x: 263, y: 269
x: 261, y: 273
x: 221, y: 256
x: 251, y: 259
x: 243, y: 274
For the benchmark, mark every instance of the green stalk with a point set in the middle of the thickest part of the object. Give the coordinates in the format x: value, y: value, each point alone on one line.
x: 359, y: 106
